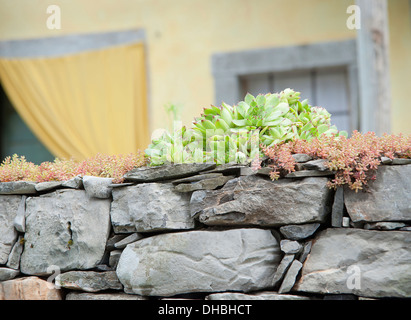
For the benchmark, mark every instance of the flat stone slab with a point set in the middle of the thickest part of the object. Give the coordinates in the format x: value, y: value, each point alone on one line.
x: 65, y: 228
x: 384, y: 225
x: 200, y: 261
x: 301, y: 157
x: 282, y: 269
x: 290, y: 277
x: 299, y: 231
x: 310, y: 173
x: 366, y: 263
x: 73, y: 183
x: 148, y: 207
x: 103, y: 296
x: 233, y: 168
x: 48, y: 186
x: 15, y: 254
x: 127, y: 240
x: 399, y: 161
x: 204, y: 184
x: 388, y: 198
x: 197, y: 177
x: 18, y: 187
x: 254, y: 200
x: 264, y: 295
x: 8, y: 273
x: 318, y: 165
x: 166, y: 172
x: 89, y: 281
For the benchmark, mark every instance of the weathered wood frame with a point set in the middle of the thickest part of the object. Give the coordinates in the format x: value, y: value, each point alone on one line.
x: 373, y: 66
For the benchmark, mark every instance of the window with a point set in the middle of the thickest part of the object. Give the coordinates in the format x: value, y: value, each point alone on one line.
x: 323, y: 87
x: 324, y: 73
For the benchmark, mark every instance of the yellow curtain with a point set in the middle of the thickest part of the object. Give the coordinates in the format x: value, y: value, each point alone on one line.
x: 82, y: 104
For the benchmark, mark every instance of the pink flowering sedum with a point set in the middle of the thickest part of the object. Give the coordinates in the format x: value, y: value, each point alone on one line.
x: 17, y: 168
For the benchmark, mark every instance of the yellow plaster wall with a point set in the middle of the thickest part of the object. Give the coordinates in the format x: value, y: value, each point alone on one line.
x: 399, y: 15
x: 182, y: 35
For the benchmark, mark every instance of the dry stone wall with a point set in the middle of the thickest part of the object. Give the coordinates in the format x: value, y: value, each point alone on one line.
x: 214, y: 233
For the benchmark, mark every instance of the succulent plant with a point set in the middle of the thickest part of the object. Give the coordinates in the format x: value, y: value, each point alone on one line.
x: 235, y: 133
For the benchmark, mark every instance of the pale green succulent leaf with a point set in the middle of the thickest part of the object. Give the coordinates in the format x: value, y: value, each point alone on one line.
x: 240, y: 123
x: 249, y: 98
x: 260, y: 99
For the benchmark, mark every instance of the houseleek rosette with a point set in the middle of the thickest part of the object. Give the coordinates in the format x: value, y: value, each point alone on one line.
x: 235, y: 133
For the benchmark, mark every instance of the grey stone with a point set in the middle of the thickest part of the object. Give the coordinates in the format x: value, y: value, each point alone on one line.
x: 337, y: 212
x: 15, y: 254
x: 384, y: 225
x: 340, y: 297
x: 359, y: 225
x: 365, y: 263
x: 103, y: 267
x: 110, y: 244
x: 231, y: 168
x: 247, y: 171
x: 305, y: 252
x: 150, y: 207
x: 127, y: 240
x: 73, y: 183
x: 9, y: 205
x: 89, y: 281
x: 97, y: 187
x: 197, y: 177
x: 166, y: 172
x: 301, y: 157
x: 309, y: 173
x: 299, y: 231
x: 18, y: 187
x: 386, y: 160
x: 48, y: 186
x: 254, y: 200
x: 200, y: 261
x: 346, y: 222
x: 8, y: 274
x: 290, y: 246
x: 387, y: 198
x: 264, y: 295
x: 120, y: 185
x: 400, y: 161
x: 282, y: 269
x: 265, y: 171
x: 103, y: 296
x: 290, y: 277
x: 204, y: 184
x: 319, y: 164
x: 65, y: 228
x: 20, y: 219
x: 405, y: 229
x: 114, y: 257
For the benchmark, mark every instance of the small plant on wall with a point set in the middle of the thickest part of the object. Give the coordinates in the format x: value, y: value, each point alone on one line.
x: 234, y: 133
x: 17, y: 168
x: 354, y: 160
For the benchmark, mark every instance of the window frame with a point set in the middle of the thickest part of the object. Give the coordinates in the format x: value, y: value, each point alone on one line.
x: 229, y: 67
